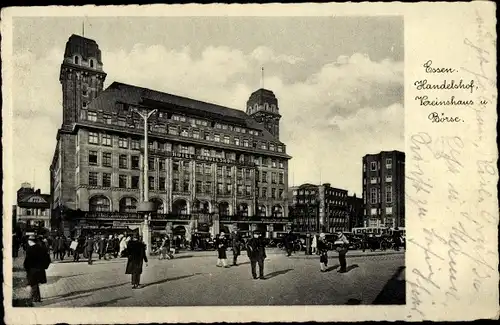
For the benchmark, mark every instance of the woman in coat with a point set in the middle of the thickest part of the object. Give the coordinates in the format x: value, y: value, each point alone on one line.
x: 221, y: 246
x: 36, y: 261
x: 136, y: 253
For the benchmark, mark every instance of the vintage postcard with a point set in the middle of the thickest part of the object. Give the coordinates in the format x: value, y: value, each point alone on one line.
x: 237, y: 163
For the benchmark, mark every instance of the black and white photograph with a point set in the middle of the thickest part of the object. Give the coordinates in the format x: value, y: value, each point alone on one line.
x: 273, y: 172
x: 226, y: 160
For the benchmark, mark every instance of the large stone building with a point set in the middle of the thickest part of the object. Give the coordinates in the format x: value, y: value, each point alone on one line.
x: 356, y: 209
x: 32, y: 211
x: 318, y: 208
x: 209, y: 166
x: 383, y: 189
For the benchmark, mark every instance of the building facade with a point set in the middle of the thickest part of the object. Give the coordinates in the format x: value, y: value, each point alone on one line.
x: 383, y: 189
x: 318, y: 208
x: 209, y: 166
x: 356, y: 209
x: 33, y: 209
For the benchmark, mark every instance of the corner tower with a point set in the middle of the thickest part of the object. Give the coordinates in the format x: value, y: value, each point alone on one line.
x: 81, y: 76
x: 263, y: 107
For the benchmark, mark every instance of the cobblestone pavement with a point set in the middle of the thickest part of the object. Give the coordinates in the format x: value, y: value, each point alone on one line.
x: 192, y: 278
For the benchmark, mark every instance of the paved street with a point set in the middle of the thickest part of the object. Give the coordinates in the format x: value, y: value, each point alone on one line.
x: 193, y: 279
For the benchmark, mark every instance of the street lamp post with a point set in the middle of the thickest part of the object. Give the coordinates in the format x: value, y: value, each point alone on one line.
x: 146, y: 207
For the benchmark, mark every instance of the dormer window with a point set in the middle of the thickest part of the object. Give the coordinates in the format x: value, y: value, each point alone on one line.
x: 77, y: 60
x: 91, y: 63
x: 266, y: 106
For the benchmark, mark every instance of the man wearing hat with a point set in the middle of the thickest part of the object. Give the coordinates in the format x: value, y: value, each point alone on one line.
x: 221, y: 246
x: 136, y: 253
x: 323, y: 252
x: 36, y: 261
x: 257, y: 254
x: 342, y: 246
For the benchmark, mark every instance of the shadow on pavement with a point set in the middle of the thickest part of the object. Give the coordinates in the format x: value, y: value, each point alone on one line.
x: 105, y: 303
x: 394, y: 291
x: 182, y: 256
x: 169, y: 279
x: 244, y: 263
x: 54, y: 278
x: 331, y: 268
x: 69, y: 294
x: 351, y: 267
x: 47, y: 302
x: 276, y: 273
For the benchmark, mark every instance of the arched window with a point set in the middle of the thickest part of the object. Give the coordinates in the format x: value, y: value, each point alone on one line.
x: 266, y: 106
x: 128, y: 204
x: 91, y: 63
x: 77, y: 60
x: 262, y: 211
x: 158, y: 204
x: 99, y: 203
x: 243, y: 210
x: 180, y: 207
x: 277, y: 211
x: 223, y: 209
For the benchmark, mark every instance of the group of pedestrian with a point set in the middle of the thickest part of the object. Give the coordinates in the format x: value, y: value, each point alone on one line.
x: 320, y: 246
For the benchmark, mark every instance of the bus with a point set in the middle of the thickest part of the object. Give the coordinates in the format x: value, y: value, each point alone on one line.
x: 377, y: 231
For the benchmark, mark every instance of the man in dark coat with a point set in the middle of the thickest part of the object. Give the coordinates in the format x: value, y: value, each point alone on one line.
x: 61, y: 246
x: 89, y: 248
x: 101, y: 247
x: 257, y: 254
x: 236, y: 242
x: 323, y: 252
x: 288, y: 243
x: 37, y: 260
x: 136, y: 251
x: 396, y: 239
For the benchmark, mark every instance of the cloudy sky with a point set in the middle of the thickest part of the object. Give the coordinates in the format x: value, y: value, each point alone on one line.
x: 339, y: 81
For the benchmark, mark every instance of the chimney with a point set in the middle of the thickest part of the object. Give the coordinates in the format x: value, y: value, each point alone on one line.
x: 37, y: 191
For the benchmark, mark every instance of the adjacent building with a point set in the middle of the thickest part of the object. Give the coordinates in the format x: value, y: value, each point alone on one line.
x: 32, y: 210
x: 318, y: 208
x: 209, y: 166
x: 383, y: 189
x: 356, y: 208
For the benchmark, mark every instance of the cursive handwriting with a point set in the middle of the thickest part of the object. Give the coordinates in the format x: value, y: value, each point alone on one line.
x: 445, y: 85
x: 429, y: 69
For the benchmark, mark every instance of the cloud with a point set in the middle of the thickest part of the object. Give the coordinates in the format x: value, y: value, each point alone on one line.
x: 342, y: 111
x: 263, y: 54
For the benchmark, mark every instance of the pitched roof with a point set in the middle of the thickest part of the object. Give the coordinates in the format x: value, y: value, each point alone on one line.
x: 134, y: 95
x: 25, y: 202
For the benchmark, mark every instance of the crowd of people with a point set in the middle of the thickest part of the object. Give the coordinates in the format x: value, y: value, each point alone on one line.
x: 37, y: 252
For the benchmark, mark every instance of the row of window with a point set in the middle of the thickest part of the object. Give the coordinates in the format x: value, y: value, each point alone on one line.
x: 313, y: 201
x: 195, y: 134
x: 177, y: 186
x: 376, y: 180
x: 313, y: 192
x: 374, y: 165
x: 378, y: 211
x: 135, y: 144
x: 375, y: 195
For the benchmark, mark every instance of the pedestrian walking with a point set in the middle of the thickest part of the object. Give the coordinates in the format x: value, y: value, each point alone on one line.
x: 342, y: 246
x: 15, y: 246
x: 136, y: 254
x: 288, y: 242
x: 165, y: 249
x: 102, y: 245
x: 256, y: 252
x: 89, y: 248
x: 221, y: 246
x: 322, y: 246
x: 314, y: 245
x: 396, y: 239
x: 55, y: 248
x: 36, y: 261
x: 236, y: 243
x: 61, y: 246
